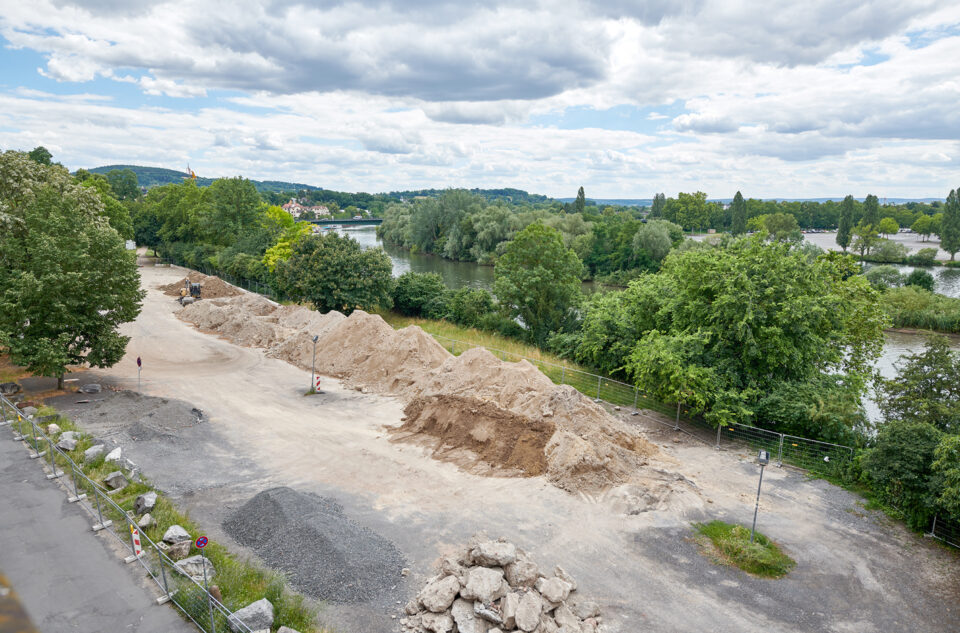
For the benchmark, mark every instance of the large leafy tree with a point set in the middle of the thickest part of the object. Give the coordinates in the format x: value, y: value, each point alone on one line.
x: 846, y: 223
x: 40, y: 154
x: 332, y: 272
x: 753, y: 314
x: 656, y: 209
x: 950, y: 225
x: 738, y: 215
x: 124, y: 184
x: 580, y: 204
x: 871, y: 211
x: 66, y: 280
x: 926, y: 389
x: 538, y: 280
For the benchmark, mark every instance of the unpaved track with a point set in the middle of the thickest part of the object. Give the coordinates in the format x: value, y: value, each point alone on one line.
x: 856, y: 572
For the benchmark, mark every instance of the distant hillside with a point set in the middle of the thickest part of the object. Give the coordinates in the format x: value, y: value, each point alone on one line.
x: 646, y: 202
x: 509, y: 195
x: 154, y: 176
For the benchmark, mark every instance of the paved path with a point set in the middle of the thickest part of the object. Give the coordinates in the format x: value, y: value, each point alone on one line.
x: 67, y: 579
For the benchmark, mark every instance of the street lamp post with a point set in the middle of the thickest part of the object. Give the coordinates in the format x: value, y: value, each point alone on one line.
x: 313, y: 367
x: 763, y: 458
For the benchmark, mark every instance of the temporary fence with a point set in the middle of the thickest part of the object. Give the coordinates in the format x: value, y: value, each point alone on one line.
x: 181, y: 583
x: 946, y: 530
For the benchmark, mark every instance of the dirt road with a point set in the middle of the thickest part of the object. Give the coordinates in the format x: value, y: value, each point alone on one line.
x: 856, y: 571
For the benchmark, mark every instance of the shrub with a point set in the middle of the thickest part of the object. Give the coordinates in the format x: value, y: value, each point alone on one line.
x: 467, y: 306
x: 420, y: 294
x: 732, y: 542
x: 890, y: 252
x: 920, y: 279
x: 883, y: 277
x: 915, y: 307
x: 923, y: 257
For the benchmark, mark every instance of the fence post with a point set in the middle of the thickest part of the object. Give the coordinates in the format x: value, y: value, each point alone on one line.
x: 719, y: 428
x: 102, y: 524
x: 36, y: 446
x: 563, y: 374
x: 636, y: 395
x: 163, y: 572
x: 53, y: 460
x: 453, y: 348
x: 676, y: 423
x: 598, y: 388
x: 76, y: 491
x: 933, y: 528
x: 780, y: 453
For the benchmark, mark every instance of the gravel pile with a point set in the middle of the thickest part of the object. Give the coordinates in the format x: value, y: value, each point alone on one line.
x: 323, y: 553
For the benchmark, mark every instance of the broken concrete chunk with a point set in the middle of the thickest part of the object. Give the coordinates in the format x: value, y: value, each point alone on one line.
x: 586, y: 609
x: 467, y: 621
x: 93, y: 452
x: 175, y: 534
x: 114, y: 455
x: 493, y: 554
x: 287, y: 629
x: 28, y: 411
x: 528, y: 612
x: 437, y: 622
x: 562, y: 574
x: 70, y: 435
x: 179, y: 551
x: 53, y: 429
x: 256, y: 615
x: 565, y: 617
x: 547, y: 625
x: 91, y: 388
x: 554, y: 589
x: 438, y: 595
x: 145, y: 521
x: 145, y: 502
x: 508, y: 610
x: 66, y: 444
x: 484, y: 584
x: 487, y: 612
x: 115, y: 480
x: 523, y: 573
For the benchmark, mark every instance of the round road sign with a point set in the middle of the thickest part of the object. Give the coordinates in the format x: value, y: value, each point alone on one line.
x: 201, y: 542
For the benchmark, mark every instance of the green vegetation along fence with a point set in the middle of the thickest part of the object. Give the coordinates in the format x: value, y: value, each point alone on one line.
x: 175, y: 584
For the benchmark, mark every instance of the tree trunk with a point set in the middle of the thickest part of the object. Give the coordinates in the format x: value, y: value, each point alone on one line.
x: 60, y: 382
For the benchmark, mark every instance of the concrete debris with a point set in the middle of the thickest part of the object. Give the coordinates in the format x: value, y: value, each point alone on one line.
x: 70, y: 435
x: 53, y: 429
x: 287, y: 629
x: 28, y: 411
x: 66, y: 444
x: 10, y: 388
x: 145, y: 521
x: 145, y: 502
x: 91, y: 388
x: 114, y: 456
x: 175, y: 534
x: 194, y: 567
x: 179, y: 551
x: 115, y: 480
x: 93, y: 452
x: 490, y: 598
x: 256, y: 615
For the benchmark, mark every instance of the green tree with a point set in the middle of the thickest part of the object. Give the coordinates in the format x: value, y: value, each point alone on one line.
x: 66, y: 280
x: 865, y: 238
x: 883, y: 277
x: 888, y: 226
x: 236, y: 208
x: 468, y: 306
x: 538, y: 280
x: 580, y: 204
x: 124, y: 184
x: 950, y: 226
x: 692, y: 211
x: 653, y: 239
x: 116, y: 213
x: 926, y: 389
x: 781, y: 227
x: 920, y: 279
x: 332, y: 272
x: 738, y: 215
x: 846, y: 223
x: 871, y: 211
x: 656, y: 209
x: 900, y: 468
x: 923, y: 226
x: 41, y: 155
x: 946, y: 467
x: 421, y: 294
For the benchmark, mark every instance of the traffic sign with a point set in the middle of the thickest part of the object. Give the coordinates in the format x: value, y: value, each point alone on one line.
x: 135, y: 535
x: 201, y: 542
x: 139, y: 362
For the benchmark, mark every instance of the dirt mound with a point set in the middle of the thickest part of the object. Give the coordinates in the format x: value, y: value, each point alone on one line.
x: 323, y: 553
x: 508, y: 418
x: 500, y: 438
x: 213, y: 287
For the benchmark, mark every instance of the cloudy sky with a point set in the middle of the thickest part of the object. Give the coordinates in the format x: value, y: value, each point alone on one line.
x: 627, y: 98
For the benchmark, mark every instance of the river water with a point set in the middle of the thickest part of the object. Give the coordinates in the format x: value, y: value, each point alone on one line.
x: 459, y: 274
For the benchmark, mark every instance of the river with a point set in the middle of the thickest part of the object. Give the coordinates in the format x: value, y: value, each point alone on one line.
x: 460, y: 274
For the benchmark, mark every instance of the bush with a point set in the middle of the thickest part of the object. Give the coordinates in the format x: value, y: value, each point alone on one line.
x: 732, y: 542
x: 889, y: 252
x: 468, y: 306
x: 420, y: 294
x: 920, y: 279
x: 915, y: 307
x: 899, y: 466
x: 923, y: 257
x: 883, y: 277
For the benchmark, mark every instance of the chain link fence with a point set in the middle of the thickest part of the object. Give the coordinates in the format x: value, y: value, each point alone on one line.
x: 179, y: 582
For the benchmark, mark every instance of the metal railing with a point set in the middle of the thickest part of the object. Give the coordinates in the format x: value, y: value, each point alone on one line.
x: 946, y: 530
x: 171, y: 577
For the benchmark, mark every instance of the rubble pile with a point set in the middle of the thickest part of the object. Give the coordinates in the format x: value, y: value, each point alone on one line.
x: 494, y: 587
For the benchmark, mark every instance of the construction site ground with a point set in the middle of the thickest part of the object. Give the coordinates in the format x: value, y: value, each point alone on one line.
x: 857, y: 571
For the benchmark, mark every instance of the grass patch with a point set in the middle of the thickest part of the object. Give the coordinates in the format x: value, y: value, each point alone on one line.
x: 912, y: 307
x: 731, y: 545
x: 240, y: 581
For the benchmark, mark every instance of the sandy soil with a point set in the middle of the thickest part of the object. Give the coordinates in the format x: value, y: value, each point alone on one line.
x: 856, y: 572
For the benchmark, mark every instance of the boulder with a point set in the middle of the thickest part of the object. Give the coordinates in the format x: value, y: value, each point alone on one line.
x: 256, y: 615
x: 115, y: 455
x: 115, y: 480
x: 28, y: 411
x: 175, y: 534
x: 467, y: 621
x: 411, y: 608
x: 487, y: 612
x: 562, y: 574
x: 508, y: 610
x: 586, y: 609
x: 438, y: 595
x: 91, y: 388
x: 145, y: 521
x: 194, y: 566
x: 10, y: 388
x: 93, y: 452
x: 554, y: 589
x: 523, y: 573
x: 179, y: 551
x: 493, y: 554
x: 145, y: 502
x: 287, y: 629
x: 437, y: 622
x: 70, y: 435
x: 484, y: 584
x: 528, y: 612
x: 547, y: 605
x: 450, y: 566
x: 66, y: 444
x: 53, y: 429
x: 565, y: 617
x: 547, y: 625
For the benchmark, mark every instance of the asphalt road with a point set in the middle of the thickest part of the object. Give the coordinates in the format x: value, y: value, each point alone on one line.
x: 67, y: 578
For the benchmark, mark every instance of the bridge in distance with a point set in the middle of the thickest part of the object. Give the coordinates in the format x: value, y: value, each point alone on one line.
x: 345, y: 222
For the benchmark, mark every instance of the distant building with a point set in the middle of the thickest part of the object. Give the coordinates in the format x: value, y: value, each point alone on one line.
x: 295, y: 209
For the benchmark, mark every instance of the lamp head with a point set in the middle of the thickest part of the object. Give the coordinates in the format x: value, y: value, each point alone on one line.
x: 315, y: 338
x: 763, y: 458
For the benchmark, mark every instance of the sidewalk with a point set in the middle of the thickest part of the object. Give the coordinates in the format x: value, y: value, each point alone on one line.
x: 67, y: 578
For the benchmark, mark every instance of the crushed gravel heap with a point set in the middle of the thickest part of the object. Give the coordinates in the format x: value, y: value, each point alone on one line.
x: 213, y: 287
x: 499, y: 418
x: 144, y: 418
x: 323, y: 553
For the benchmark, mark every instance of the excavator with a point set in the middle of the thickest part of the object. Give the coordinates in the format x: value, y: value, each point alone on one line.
x: 189, y: 293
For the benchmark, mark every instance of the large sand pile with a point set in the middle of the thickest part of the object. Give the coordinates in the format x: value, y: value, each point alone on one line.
x: 213, y: 287
x: 492, y: 416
